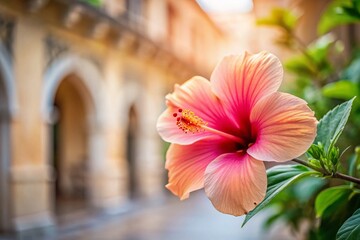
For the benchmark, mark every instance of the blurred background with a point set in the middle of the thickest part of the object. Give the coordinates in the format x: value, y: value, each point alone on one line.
x: 82, y: 83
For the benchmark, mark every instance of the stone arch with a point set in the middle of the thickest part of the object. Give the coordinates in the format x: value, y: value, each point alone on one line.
x: 85, y: 79
x: 130, y: 95
x: 85, y: 70
x: 131, y: 117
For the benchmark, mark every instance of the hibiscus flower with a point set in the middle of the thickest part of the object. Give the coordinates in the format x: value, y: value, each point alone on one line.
x: 224, y: 129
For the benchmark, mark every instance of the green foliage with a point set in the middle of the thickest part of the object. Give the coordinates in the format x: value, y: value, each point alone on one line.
x: 332, y: 124
x: 279, y: 178
x: 299, y: 65
x: 280, y: 17
x: 319, y: 51
x: 354, y: 163
x: 328, y: 161
x: 352, y: 72
x: 313, y: 61
x: 285, y: 20
x: 348, y: 86
x: 95, y: 3
x: 338, y: 13
x: 331, y: 205
x: 323, y: 153
x: 331, y: 198
x: 323, y: 80
x: 316, y: 152
x: 311, y: 68
x: 350, y: 230
x: 342, y: 89
x: 334, y: 216
x: 299, y: 198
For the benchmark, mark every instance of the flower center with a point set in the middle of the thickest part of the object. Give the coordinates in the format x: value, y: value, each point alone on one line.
x: 187, y: 121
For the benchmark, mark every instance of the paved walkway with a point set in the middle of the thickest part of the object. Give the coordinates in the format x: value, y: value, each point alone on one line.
x: 193, y: 219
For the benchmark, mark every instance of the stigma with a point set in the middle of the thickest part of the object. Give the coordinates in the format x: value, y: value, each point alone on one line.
x: 187, y: 121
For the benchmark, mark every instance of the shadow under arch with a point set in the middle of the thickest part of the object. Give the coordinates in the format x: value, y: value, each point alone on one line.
x: 130, y: 103
x: 8, y: 108
x: 132, y: 148
x: 72, y: 108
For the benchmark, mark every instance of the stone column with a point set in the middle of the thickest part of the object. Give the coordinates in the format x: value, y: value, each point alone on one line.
x: 152, y: 170
x: 110, y: 177
x: 30, y: 174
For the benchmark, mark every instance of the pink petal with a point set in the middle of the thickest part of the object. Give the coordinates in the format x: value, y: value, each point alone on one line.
x: 195, y: 95
x: 187, y: 164
x: 235, y: 183
x: 240, y: 81
x: 285, y: 126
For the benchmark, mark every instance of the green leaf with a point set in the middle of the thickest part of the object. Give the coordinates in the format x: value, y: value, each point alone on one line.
x: 352, y: 165
x: 316, y: 61
x: 331, y: 198
x: 332, y: 124
x: 279, y: 177
x: 280, y: 17
x: 352, y: 72
x: 338, y: 13
x: 320, y: 47
x: 299, y: 65
x: 341, y: 90
x: 350, y: 230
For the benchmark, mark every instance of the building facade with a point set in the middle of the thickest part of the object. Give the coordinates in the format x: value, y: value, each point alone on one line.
x: 81, y: 87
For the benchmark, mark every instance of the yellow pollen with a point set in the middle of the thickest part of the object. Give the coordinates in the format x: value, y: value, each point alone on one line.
x: 187, y: 121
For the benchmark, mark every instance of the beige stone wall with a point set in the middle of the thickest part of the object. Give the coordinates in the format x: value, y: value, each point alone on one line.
x: 57, y: 57
x: 28, y: 127
x: 192, y: 35
x: 30, y: 174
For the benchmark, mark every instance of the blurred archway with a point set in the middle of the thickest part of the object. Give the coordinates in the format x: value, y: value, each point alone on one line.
x: 72, y: 108
x: 70, y: 149
x: 131, y: 152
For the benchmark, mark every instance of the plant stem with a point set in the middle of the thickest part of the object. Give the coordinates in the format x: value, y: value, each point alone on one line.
x: 335, y: 175
x: 310, y: 166
x: 347, y: 178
